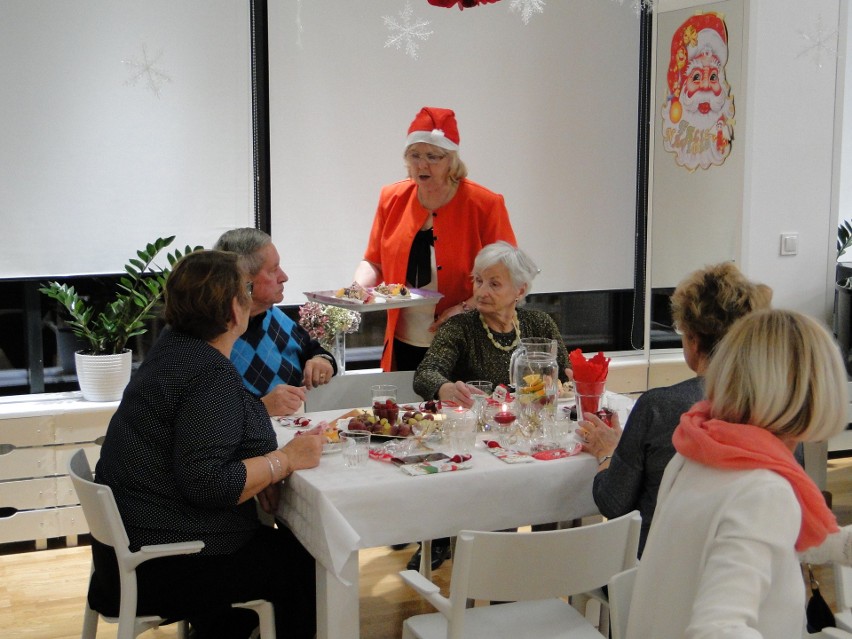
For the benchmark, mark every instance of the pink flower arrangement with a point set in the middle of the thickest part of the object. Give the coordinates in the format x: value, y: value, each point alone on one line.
x: 324, y: 322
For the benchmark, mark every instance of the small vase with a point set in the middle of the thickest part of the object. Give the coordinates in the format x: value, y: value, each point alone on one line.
x: 102, y: 378
x: 338, y: 349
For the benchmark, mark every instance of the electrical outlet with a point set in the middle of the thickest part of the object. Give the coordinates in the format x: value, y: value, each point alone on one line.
x: 789, y: 243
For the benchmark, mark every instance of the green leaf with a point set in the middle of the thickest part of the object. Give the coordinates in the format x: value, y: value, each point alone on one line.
x: 124, y: 316
x: 844, y: 237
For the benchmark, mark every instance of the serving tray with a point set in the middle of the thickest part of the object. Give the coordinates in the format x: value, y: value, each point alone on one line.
x: 418, y: 297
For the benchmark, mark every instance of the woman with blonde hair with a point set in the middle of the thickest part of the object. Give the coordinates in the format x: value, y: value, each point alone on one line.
x: 735, y: 507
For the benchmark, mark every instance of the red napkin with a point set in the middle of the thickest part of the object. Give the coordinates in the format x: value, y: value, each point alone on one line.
x: 589, y: 370
x: 589, y: 379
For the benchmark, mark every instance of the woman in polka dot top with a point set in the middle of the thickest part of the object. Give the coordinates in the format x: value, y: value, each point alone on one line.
x: 185, y: 454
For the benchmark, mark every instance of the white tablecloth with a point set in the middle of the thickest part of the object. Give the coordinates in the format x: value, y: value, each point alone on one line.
x: 335, y: 511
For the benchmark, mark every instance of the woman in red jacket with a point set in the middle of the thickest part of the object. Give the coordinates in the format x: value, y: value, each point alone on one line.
x: 426, y: 233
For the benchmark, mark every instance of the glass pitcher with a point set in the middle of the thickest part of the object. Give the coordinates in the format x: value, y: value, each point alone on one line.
x: 531, y: 345
x: 536, y: 375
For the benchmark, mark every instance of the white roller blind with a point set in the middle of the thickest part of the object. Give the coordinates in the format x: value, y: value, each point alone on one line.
x: 546, y: 113
x: 93, y: 165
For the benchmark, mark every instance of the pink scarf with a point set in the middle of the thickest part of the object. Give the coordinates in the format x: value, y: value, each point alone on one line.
x: 719, y: 444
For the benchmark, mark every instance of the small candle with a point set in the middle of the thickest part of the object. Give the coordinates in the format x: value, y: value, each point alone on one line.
x: 504, y: 416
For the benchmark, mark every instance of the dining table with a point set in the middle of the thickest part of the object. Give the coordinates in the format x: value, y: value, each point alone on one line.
x: 335, y: 511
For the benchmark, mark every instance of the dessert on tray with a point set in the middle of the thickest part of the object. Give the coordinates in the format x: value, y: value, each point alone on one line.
x: 392, y: 290
x: 354, y: 292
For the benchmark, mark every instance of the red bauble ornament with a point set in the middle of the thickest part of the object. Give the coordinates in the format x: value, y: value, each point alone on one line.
x: 463, y: 4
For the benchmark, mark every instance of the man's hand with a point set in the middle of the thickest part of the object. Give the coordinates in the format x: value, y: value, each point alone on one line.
x: 318, y: 371
x: 284, y: 400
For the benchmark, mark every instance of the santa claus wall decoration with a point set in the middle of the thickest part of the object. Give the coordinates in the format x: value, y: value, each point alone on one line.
x: 698, y: 124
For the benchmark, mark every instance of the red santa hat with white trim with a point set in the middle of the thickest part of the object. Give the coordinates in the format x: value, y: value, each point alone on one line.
x: 436, y: 126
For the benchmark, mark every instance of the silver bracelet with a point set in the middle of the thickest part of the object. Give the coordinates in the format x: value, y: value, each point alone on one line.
x: 271, y: 469
x: 328, y: 358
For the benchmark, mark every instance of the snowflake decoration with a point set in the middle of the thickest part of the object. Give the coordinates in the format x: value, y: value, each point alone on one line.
x: 821, y: 42
x: 527, y: 8
x: 408, y: 29
x: 299, y: 26
x: 147, y: 70
x: 639, y: 6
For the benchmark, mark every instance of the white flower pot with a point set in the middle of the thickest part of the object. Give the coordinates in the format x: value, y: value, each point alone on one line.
x: 102, y: 378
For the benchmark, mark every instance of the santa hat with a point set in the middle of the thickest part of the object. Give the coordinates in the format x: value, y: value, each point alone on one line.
x: 702, y: 32
x: 434, y: 126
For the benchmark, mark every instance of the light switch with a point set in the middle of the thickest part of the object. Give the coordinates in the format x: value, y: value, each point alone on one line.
x: 789, y: 243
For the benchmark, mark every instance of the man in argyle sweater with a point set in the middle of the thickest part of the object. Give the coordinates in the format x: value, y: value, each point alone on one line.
x: 276, y: 357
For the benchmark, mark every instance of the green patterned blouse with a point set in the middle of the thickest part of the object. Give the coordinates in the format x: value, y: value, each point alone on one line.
x: 461, y: 351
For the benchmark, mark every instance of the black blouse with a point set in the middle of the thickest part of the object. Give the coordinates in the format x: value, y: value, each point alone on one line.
x: 173, y: 450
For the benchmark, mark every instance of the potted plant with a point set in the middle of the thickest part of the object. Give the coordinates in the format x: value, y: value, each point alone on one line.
x: 103, y: 368
x: 844, y: 237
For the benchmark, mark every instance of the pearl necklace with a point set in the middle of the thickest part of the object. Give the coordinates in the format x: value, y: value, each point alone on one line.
x: 515, y: 325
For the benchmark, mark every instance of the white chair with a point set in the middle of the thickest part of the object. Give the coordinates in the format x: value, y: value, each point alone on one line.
x: 106, y: 526
x: 620, y: 590
x: 531, y: 570
x: 828, y: 633
x: 352, y: 390
x: 843, y: 596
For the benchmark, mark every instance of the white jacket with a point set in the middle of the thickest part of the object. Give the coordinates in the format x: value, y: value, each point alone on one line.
x: 720, y: 558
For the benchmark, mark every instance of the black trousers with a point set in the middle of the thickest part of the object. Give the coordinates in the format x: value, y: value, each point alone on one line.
x: 201, y: 588
x: 408, y: 357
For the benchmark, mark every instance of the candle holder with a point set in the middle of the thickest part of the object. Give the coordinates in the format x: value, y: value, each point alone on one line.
x: 506, y: 427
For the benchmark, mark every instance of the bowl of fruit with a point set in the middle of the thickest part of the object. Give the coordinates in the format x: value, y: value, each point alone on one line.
x: 385, y: 421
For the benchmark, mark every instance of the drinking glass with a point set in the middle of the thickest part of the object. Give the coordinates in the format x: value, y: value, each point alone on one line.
x: 480, y: 401
x: 384, y: 402
x: 589, y: 397
x: 356, y: 448
x: 460, y: 431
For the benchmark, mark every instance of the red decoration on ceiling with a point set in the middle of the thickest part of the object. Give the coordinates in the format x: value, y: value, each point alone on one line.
x: 463, y: 4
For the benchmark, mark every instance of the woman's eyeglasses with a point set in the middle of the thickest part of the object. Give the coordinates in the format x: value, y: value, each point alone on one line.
x: 249, y: 288
x: 431, y: 158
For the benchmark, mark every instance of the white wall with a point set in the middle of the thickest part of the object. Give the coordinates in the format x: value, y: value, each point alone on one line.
x: 843, y: 150
x: 789, y: 137
x: 789, y: 147
x: 546, y: 113
x: 93, y: 166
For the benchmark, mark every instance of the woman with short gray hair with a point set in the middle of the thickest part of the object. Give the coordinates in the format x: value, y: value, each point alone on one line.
x: 479, y: 344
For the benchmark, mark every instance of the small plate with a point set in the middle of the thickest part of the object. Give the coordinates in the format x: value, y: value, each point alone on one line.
x: 332, y: 448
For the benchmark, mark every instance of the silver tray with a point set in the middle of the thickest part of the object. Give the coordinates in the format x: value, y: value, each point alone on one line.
x: 419, y: 297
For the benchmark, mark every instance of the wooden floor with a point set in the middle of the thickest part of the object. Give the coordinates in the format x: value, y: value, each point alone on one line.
x: 42, y: 592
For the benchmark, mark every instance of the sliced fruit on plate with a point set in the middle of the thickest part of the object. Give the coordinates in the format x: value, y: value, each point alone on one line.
x: 392, y: 290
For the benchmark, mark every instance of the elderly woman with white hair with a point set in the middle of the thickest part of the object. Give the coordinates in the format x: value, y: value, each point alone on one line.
x: 479, y: 344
